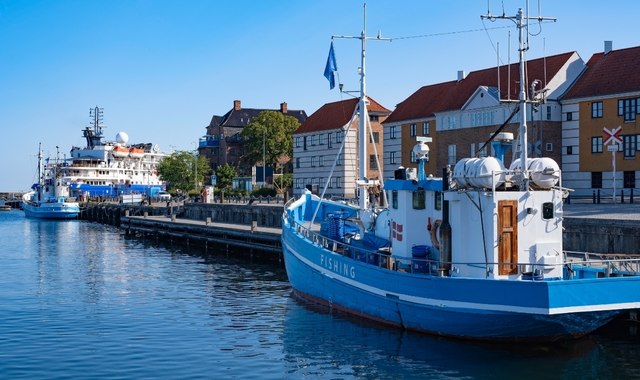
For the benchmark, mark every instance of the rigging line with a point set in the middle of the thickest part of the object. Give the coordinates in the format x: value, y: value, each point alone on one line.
x: 448, y: 33
x: 515, y: 111
x: 491, y: 41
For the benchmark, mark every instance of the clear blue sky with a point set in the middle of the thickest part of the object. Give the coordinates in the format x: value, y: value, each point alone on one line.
x: 162, y: 68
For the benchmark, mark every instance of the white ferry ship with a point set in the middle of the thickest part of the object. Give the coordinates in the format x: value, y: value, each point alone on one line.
x: 111, y: 168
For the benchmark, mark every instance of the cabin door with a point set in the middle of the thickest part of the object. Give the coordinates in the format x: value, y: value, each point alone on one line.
x: 508, y: 237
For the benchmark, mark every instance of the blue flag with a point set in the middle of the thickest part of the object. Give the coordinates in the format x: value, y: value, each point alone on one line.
x: 331, y: 68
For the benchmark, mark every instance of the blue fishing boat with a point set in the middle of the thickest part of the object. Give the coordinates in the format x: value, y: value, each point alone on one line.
x: 49, y: 198
x: 476, y: 253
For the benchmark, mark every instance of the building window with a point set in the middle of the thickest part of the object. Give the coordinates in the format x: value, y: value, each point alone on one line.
x: 473, y: 150
x: 392, y: 132
x: 569, y: 116
x: 419, y: 197
x: 413, y: 157
x: 392, y: 157
x: 451, y: 154
x: 596, y: 110
x: 549, y: 147
x: 394, y: 199
x: 629, y: 180
x: 627, y: 108
x: 321, y: 161
x: 548, y: 112
x: 320, y: 139
x: 596, y: 144
x: 338, y: 137
x: 629, y: 145
x: 297, y: 162
x: 373, y: 117
x: 339, y: 159
x: 313, y: 162
x: 304, y: 143
x: 297, y: 142
x: 313, y: 139
x: 376, y: 137
x: 596, y: 180
x: 569, y: 150
x: 425, y: 128
x: 413, y: 130
x: 329, y: 137
x: 373, y: 163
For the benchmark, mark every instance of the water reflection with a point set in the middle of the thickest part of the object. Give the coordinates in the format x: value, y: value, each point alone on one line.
x: 320, y: 344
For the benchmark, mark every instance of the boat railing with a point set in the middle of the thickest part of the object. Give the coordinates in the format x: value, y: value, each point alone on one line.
x: 597, y: 265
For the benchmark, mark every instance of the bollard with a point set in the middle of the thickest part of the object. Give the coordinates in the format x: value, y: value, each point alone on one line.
x: 146, y: 213
x: 254, y: 225
x: 173, y: 217
x: 126, y: 213
x: 208, y: 221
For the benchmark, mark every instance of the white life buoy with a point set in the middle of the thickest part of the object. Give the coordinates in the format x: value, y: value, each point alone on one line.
x: 435, y: 230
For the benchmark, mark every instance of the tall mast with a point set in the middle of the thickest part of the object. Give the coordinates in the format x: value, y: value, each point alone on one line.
x: 520, y: 19
x: 364, y: 115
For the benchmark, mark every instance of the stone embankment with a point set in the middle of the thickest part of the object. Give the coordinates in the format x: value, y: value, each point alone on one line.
x: 595, y: 228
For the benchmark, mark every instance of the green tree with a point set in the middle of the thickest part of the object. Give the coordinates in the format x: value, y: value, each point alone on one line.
x: 182, y: 170
x: 271, y: 133
x: 225, y: 174
x: 283, y: 182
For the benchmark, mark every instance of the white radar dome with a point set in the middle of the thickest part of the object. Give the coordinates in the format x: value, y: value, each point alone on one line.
x: 122, y: 137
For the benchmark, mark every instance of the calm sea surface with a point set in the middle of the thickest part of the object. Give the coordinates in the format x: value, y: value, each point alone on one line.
x: 80, y: 301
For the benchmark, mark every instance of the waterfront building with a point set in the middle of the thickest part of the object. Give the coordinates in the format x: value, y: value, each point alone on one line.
x: 605, y: 96
x: 223, y: 142
x: 317, y: 143
x: 461, y: 115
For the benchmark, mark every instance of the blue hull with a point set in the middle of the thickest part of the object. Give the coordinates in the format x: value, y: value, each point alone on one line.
x: 460, y: 307
x: 51, y: 211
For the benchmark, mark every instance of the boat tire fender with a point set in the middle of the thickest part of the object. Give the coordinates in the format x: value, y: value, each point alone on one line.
x: 435, y: 230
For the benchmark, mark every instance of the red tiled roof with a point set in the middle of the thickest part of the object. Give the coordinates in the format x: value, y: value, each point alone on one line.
x: 337, y: 114
x: 452, y: 95
x: 612, y: 73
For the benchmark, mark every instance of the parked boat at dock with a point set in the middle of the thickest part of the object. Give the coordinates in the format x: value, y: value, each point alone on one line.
x: 475, y: 254
x: 49, y: 198
x: 111, y: 168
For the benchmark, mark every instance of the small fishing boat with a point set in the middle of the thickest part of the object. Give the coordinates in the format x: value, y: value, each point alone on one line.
x: 476, y: 253
x: 49, y: 198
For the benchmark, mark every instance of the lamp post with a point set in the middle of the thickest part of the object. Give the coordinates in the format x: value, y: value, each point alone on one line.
x: 195, y: 166
x: 264, y: 165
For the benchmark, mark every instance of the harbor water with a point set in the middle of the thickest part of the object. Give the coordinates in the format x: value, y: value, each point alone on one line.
x: 81, y: 300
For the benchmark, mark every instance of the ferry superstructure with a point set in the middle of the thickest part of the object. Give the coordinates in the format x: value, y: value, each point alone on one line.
x: 111, y: 168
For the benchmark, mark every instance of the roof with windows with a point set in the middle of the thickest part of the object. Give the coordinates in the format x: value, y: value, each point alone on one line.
x: 239, y: 117
x: 452, y: 95
x: 609, y: 73
x: 337, y: 114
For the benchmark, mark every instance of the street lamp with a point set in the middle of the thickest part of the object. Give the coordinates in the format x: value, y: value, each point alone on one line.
x: 195, y: 166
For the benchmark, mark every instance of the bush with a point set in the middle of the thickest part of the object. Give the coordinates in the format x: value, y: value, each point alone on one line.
x: 264, y: 192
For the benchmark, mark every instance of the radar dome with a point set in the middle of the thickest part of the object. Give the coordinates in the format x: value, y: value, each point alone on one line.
x: 122, y: 137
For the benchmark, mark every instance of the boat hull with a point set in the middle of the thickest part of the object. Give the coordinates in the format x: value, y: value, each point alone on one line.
x: 51, y: 210
x: 460, y: 307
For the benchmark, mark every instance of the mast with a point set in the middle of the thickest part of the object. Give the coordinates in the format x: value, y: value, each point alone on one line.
x: 362, y: 182
x: 520, y: 19
x: 40, y: 181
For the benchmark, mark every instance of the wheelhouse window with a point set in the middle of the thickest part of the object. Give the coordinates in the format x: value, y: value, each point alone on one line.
x: 419, y: 199
x: 394, y: 199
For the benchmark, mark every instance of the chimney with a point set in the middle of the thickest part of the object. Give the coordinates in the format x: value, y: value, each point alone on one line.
x: 236, y: 105
x: 608, y: 46
x: 283, y: 107
x: 461, y: 75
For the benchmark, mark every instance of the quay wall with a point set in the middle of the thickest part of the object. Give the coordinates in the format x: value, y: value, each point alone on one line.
x: 616, y: 236
x: 596, y: 235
